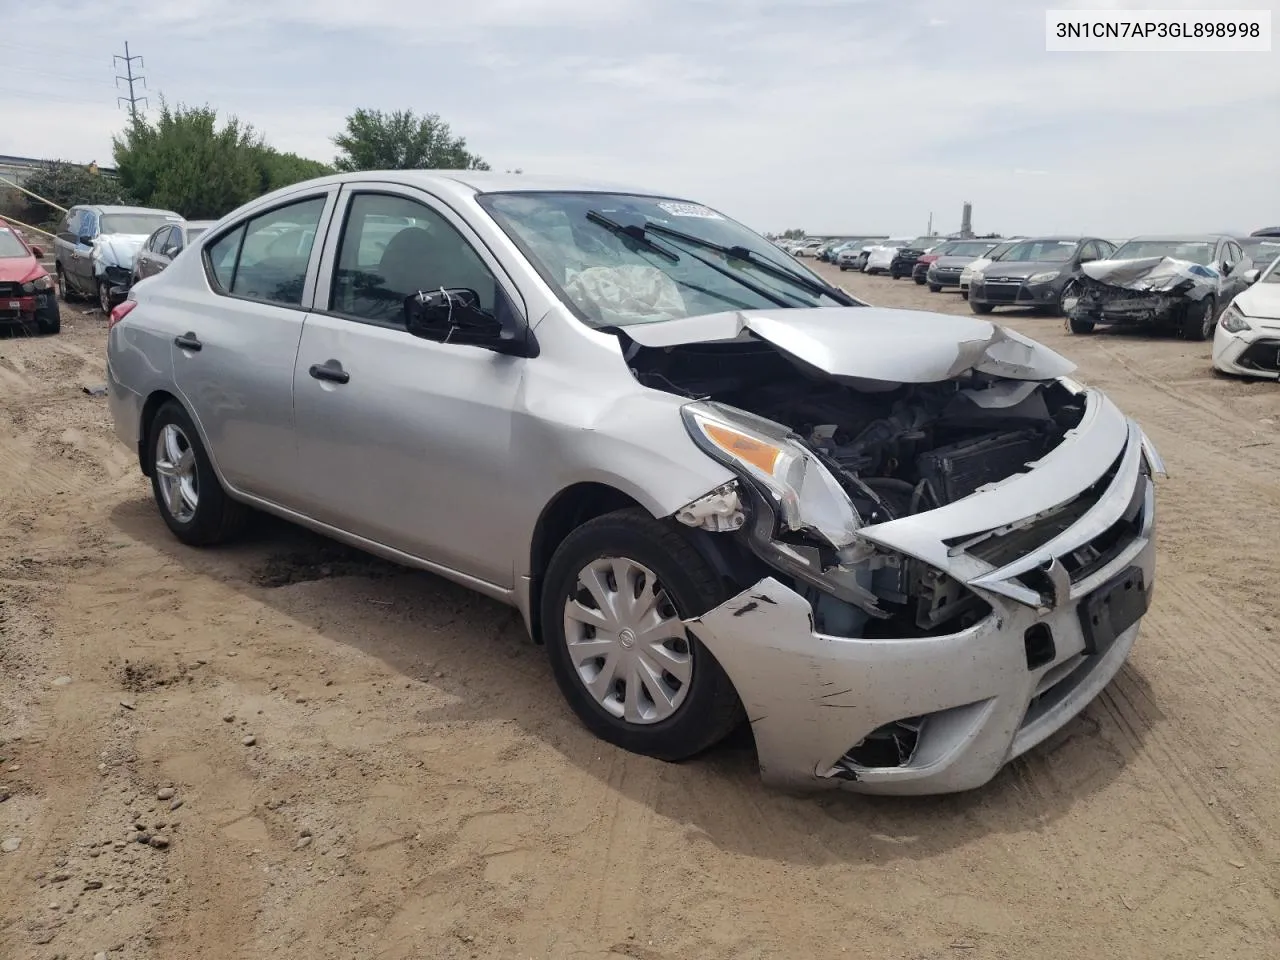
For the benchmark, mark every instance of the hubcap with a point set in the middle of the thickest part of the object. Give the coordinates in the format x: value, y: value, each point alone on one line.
x: 626, y: 641
x: 176, y: 471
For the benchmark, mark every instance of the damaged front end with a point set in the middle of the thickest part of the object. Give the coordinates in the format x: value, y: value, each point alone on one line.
x: 1156, y: 291
x: 927, y: 546
x: 113, y: 257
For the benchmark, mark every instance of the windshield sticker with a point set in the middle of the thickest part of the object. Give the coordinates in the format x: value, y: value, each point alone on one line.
x: 689, y: 210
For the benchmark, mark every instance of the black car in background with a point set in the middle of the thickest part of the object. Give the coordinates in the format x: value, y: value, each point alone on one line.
x: 1035, y: 273
x: 904, y: 261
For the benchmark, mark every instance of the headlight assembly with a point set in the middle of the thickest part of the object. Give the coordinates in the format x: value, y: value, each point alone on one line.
x: 804, y: 494
x: 1044, y: 277
x: 1233, y: 320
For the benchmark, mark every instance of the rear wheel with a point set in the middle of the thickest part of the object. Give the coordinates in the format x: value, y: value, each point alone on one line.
x: 186, y: 488
x: 1200, y: 317
x: 614, y: 598
x: 104, y: 296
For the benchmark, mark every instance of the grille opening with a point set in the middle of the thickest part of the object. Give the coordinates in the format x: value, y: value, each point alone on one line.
x: 892, y: 745
x: 1040, y: 648
x: 1261, y: 355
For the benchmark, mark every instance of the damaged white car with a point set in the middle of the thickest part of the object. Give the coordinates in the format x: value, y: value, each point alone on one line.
x: 904, y: 547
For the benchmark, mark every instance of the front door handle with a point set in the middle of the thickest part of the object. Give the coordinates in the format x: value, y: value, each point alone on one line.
x: 188, y: 341
x: 330, y: 370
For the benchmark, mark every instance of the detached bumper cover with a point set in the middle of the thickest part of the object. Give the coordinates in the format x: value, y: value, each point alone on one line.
x: 812, y: 698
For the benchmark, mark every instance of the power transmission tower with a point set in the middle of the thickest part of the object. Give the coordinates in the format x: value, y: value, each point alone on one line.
x: 130, y: 79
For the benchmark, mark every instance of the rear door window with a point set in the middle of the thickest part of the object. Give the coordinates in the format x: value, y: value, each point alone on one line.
x: 267, y: 258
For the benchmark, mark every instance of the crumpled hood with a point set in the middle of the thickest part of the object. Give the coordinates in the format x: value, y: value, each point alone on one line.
x: 1156, y: 275
x: 870, y: 343
x: 118, y: 249
x: 1261, y: 301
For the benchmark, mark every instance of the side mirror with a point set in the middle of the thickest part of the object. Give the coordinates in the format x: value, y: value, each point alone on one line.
x: 1226, y: 268
x: 37, y: 252
x: 85, y: 240
x: 1251, y: 276
x: 455, y: 316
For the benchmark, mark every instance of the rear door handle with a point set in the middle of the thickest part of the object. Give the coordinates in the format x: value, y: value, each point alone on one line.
x: 188, y: 341
x: 330, y: 370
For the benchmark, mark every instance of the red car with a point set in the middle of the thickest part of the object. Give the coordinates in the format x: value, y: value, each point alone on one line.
x: 27, y: 292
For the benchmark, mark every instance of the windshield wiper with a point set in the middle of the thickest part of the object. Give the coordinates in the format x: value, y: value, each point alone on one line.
x: 637, y: 233
x: 742, y: 253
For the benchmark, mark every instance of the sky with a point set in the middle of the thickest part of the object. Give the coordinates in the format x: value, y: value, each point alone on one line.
x: 828, y: 115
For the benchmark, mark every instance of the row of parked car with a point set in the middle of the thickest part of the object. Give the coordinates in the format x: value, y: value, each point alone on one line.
x: 1196, y: 285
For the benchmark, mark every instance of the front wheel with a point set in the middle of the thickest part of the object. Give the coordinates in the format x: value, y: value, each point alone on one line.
x: 934, y: 288
x: 980, y: 307
x: 920, y: 281
x: 104, y: 296
x: 1080, y: 326
x: 186, y: 488
x: 49, y: 317
x: 613, y: 601
x: 1200, y: 318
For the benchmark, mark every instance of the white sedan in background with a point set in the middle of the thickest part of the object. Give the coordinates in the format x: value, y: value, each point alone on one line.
x: 881, y: 255
x: 966, y: 275
x: 1246, y: 341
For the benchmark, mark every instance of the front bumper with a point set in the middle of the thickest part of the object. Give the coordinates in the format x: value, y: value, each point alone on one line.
x: 943, y: 278
x: 1254, y: 352
x: 1015, y: 294
x: 812, y: 699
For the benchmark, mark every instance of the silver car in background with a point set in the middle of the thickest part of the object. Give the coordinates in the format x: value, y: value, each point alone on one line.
x: 905, y: 546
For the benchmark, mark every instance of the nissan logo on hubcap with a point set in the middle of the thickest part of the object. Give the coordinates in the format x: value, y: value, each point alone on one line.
x: 627, y: 638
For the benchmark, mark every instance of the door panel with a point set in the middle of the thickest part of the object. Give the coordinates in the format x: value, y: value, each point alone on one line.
x: 413, y: 451
x: 235, y: 364
x: 82, y: 255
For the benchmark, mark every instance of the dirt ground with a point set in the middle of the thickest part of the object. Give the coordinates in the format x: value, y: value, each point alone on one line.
x: 358, y: 761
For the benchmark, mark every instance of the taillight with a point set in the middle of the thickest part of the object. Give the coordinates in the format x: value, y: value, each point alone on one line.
x: 120, y: 311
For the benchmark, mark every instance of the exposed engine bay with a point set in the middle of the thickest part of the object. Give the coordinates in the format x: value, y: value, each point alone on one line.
x: 896, y: 449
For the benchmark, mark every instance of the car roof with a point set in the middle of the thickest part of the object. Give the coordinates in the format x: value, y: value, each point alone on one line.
x: 490, y: 181
x: 1180, y: 238
x: 101, y: 208
x: 205, y: 224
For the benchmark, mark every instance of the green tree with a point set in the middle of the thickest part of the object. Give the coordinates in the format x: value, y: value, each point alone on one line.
x: 793, y: 234
x: 185, y: 161
x: 67, y: 184
x: 283, y: 169
x: 401, y: 140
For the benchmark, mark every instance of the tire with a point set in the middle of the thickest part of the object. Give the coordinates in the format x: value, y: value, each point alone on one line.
x: 64, y: 286
x: 983, y: 308
x: 843, y: 267
x: 1200, y: 318
x: 1080, y: 326
x: 920, y: 281
x: 964, y: 294
x: 934, y: 288
x: 706, y: 707
x: 215, y: 517
x: 104, y: 296
x: 50, y: 319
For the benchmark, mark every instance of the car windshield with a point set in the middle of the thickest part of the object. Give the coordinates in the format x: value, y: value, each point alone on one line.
x: 969, y: 249
x: 140, y: 224
x: 923, y: 243
x: 1196, y: 251
x: 618, y: 259
x: 11, y: 246
x: 1040, y: 251
x: 1261, y: 252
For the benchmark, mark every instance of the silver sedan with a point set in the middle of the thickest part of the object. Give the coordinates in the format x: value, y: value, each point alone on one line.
x: 906, y: 547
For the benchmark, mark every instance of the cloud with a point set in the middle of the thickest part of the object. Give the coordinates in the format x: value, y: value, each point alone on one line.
x: 829, y: 114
